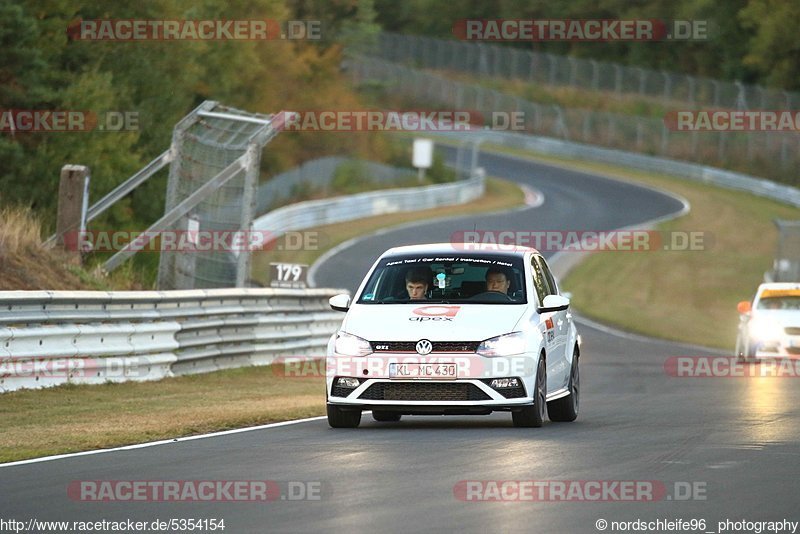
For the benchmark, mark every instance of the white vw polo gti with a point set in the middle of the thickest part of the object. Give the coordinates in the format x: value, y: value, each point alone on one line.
x: 454, y: 329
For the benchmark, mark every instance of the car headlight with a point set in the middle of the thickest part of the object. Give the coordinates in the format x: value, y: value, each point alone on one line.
x: 505, y: 345
x: 350, y: 345
x: 765, y: 330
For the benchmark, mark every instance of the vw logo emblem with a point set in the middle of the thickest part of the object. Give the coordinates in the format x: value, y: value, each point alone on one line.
x: 424, y: 347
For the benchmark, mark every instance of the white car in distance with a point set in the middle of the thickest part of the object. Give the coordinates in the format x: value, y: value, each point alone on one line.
x: 769, y: 327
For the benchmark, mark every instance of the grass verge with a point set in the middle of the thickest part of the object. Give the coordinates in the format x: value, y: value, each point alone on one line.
x: 74, y: 418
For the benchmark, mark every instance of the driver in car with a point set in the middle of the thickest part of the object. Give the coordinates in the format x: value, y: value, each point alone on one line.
x: 418, y: 281
x: 497, y: 279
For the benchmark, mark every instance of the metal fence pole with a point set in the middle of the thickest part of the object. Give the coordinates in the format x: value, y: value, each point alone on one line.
x: 248, y: 201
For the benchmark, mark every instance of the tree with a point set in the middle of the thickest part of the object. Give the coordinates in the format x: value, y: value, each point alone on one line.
x: 774, y: 49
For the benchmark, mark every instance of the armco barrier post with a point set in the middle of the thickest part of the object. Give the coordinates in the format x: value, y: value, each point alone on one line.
x: 73, y: 193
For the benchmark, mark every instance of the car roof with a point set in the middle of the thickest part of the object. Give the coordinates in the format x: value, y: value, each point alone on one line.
x: 461, y: 248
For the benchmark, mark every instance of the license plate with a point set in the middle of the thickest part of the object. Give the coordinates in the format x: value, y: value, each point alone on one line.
x: 441, y: 371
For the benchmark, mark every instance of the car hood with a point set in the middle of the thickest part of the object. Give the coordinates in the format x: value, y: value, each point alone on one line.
x: 412, y: 322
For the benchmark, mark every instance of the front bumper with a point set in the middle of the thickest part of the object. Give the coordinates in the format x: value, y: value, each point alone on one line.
x: 469, y: 392
x: 783, y: 348
x: 439, y: 409
x: 380, y: 392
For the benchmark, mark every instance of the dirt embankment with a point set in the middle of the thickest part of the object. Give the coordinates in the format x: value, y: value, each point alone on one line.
x: 26, y: 264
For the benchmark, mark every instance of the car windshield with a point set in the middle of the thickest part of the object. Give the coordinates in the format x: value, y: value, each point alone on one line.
x: 779, y: 303
x: 476, y: 279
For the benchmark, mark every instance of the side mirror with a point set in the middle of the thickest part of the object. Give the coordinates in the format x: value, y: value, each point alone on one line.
x: 743, y: 307
x: 553, y: 303
x: 340, y: 302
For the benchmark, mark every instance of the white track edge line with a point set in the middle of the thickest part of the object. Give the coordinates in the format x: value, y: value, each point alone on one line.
x: 161, y: 442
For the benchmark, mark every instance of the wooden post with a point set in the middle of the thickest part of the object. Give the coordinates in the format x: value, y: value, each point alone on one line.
x: 70, y: 208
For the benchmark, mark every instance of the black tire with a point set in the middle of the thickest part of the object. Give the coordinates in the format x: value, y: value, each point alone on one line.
x: 565, y: 409
x: 533, y: 416
x: 339, y: 418
x: 748, y: 356
x: 385, y: 417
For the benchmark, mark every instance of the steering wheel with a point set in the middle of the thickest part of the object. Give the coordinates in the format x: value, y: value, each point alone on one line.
x: 491, y: 295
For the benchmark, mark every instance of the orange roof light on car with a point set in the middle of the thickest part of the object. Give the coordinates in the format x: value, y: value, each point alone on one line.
x: 774, y: 293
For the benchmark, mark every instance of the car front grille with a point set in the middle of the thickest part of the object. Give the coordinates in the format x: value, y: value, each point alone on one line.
x: 424, y: 391
x: 438, y: 346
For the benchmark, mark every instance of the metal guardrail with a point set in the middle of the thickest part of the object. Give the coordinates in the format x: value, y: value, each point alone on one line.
x: 89, y: 337
x: 692, y: 171
x: 347, y: 208
x: 317, y: 175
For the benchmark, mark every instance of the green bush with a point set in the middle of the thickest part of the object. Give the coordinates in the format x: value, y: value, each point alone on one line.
x: 351, y: 177
x: 439, y: 173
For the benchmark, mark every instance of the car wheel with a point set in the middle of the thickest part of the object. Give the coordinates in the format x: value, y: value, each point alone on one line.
x: 385, y: 417
x: 533, y: 416
x: 746, y: 353
x: 339, y: 418
x: 751, y: 354
x: 565, y: 409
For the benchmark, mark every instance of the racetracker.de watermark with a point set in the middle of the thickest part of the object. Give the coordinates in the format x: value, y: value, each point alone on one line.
x: 602, y: 30
x: 340, y: 120
x: 386, y: 365
x: 50, y: 120
x: 190, y: 240
x: 74, y: 367
x: 578, y: 490
x: 733, y: 121
x: 582, y: 240
x: 194, y: 30
x: 196, y: 490
x: 727, y: 367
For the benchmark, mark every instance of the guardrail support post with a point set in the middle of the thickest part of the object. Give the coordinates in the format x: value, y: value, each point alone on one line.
x: 73, y: 191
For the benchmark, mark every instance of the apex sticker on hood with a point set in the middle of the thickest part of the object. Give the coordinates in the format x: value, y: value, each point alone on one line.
x: 434, y: 313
